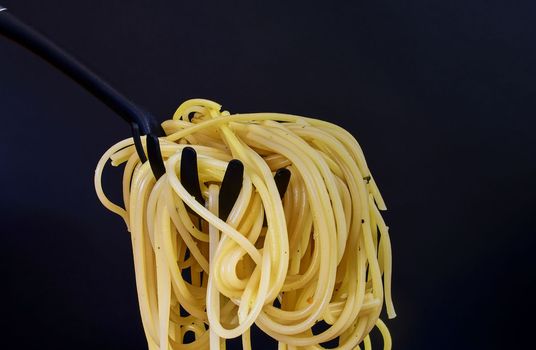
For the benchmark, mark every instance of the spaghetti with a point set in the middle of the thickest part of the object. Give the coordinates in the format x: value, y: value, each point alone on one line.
x: 320, y: 254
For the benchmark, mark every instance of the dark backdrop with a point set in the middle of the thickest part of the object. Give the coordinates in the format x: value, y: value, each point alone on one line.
x: 440, y: 95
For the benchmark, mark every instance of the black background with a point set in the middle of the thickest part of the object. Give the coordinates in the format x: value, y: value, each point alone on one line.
x: 440, y: 94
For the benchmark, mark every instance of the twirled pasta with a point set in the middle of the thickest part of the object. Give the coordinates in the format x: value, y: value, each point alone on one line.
x: 322, y: 253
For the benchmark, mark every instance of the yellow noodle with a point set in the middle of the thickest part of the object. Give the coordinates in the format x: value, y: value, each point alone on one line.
x: 320, y: 253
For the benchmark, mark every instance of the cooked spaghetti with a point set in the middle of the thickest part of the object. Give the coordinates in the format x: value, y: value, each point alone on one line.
x: 320, y: 254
